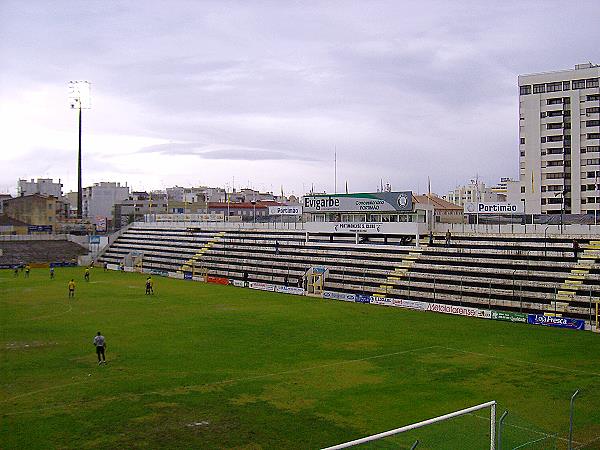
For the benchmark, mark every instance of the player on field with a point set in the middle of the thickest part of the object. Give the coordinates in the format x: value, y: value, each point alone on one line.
x: 52, y: 272
x: 100, y: 344
x: 71, y: 288
x: 87, y: 274
x: 27, y: 270
x: 149, y: 285
x: 16, y: 273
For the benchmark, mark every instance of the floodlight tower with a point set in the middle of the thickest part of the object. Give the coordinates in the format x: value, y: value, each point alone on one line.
x: 79, y: 98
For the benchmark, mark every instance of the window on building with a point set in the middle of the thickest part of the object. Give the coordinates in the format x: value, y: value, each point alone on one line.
x: 593, y: 97
x: 554, y: 201
x: 593, y: 135
x: 590, y: 200
x: 554, y: 138
x: 567, y: 125
x: 566, y: 85
x: 567, y: 113
x: 522, y: 140
x: 540, y: 88
x: 591, y: 148
x: 543, y: 114
x: 591, y: 83
x: 583, y: 187
x: 554, y: 101
x: 543, y: 188
x: 592, y: 110
x: 525, y: 90
x: 591, y: 174
x: 555, y: 113
x: 543, y: 139
x: 592, y: 161
x: 554, y: 126
x: 592, y: 123
x: 522, y: 189
x: 554, y: 163
x: 554, y: 87
x: 566, y: 101
x: 554, y: 176
x: 578, y: 84
x: 554, y: 188
x: 543, y: 201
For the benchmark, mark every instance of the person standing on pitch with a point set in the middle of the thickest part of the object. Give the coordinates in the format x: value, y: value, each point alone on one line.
x: 27, y: 270
x: 71, y: 288
x: 149, y: 286
x: 52, y: 272
x: 16, y: 275
x: 86, y: 276
x: 100, y: 344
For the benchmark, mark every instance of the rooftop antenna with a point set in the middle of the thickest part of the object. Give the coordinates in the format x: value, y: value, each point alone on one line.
x: 335, y: 169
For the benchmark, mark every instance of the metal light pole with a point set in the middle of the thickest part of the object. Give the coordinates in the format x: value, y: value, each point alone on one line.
x: 79, y: 96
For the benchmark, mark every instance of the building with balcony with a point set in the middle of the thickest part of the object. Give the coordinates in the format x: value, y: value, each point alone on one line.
x: 559, y: 141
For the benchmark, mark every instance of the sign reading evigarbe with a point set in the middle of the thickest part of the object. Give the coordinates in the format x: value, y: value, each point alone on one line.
x: 285, y: 210
x: 360, y: 202
x: 492, y: 208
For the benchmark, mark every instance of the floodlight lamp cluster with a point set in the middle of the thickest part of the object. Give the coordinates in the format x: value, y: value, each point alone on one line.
x: 79, y: 94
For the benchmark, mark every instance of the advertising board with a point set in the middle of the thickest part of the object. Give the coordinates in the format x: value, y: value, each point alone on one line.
x: 213, y: 217
x: 101, y: 223
x: 217, y: 280
x: 262, y: 286
x: 381, y: 301
x: 187, y: 275
x: 460, y: 310
x: 285, y: 210
x: 361, y: 298
x: 414, y: 304
x: 331, y: 295
x: 237, y: 283
x: 359, y: 202
x: 560, y: 322
x: 492, y: 208
x: 290, y: 290
x: 39, y: 229
x: 509, y: 316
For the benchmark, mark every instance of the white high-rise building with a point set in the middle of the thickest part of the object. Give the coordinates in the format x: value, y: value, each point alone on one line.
x: 100, y: 198
x: 559, y: 132
x: 42, y: 186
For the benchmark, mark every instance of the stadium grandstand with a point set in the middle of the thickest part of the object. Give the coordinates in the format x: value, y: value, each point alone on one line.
x: 410, y: 265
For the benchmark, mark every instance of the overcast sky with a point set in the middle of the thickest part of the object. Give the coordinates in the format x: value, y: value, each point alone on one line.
x: 263, y: 93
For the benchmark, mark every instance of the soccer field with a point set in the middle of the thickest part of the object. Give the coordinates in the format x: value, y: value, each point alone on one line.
x: 208, y: 366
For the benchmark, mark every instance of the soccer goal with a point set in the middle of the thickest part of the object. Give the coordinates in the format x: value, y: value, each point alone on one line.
x: 491, y: 405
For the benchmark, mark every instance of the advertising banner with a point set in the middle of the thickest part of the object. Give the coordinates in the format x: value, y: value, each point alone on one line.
x: 289, y: 290
x: 361, y: 298
x: 216, y: 217
x: 162, y: 273
x: 560, y: 322
x: 381, y: 301
x: 262, y: 286
x: 493, y: 208
x: 39, y: 229
x: 357, y: 227
x: 339, y: 296
x: 100, y: 223
x: 94, y: 239
x: 509, y: 316
x: 218, y: 280
x: 187, y: 275
x: 359, y: 202
x: 174, y: 275
x: 460, y: 310
x: 285, y: 210
x: 237, y: 283
x: 414, y: 304
x: 112, y: 266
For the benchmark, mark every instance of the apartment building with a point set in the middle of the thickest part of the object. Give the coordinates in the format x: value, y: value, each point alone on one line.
x: 42, y: 186
x: 559, y: 141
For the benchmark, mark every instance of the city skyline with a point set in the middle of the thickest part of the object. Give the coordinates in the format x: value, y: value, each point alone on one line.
x: 202, y: 94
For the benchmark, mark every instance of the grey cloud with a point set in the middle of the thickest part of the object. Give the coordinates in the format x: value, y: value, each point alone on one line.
x: 223, y: 152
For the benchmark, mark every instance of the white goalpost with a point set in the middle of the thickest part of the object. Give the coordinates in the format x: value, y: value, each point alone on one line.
x: 491, y: 405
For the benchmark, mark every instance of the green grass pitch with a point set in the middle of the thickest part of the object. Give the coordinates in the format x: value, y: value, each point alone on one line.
x: 207, y: 366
